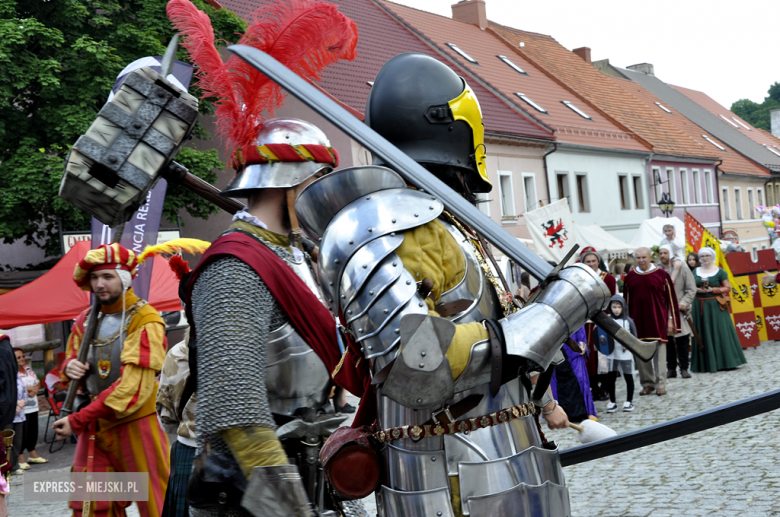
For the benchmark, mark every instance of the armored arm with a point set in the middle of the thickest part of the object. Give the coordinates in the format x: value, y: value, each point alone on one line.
x: 232, y: 336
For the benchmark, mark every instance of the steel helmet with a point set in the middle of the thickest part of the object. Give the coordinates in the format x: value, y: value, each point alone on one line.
x: 286, y: 153
x: 425, y: 109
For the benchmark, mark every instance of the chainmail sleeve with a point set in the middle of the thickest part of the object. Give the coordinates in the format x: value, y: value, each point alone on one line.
x: 232, y: 309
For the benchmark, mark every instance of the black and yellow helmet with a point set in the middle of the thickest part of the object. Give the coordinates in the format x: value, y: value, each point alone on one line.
x: 425, y: 109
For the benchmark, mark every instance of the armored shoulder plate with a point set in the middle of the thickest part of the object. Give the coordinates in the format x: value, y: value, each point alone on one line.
x: 360, y: 215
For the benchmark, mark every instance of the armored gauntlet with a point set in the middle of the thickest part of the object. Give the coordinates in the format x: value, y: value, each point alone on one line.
x: 538, y: 330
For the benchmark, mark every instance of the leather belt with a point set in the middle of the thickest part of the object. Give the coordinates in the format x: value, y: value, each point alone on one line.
x: 416, y: 432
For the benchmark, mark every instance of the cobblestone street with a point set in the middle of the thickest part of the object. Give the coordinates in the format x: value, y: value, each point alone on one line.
x: 726, y: 471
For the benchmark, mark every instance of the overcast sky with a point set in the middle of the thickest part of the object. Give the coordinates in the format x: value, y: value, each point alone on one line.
x: 727, y: 49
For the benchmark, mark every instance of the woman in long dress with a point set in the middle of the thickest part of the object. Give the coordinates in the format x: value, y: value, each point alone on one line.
x: 722, y: 350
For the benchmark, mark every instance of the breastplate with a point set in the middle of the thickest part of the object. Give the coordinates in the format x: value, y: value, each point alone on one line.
x: 105, y: 357
x: 295, y: 377
x: 474, y: 287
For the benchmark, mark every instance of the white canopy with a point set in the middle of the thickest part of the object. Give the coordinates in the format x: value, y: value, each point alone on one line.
x: 651, y: 231
x: 604, y: 242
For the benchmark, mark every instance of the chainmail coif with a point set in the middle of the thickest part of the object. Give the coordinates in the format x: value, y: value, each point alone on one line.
x: 233, y: 312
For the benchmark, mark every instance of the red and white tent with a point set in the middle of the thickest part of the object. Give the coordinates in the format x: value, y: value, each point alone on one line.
x: 55, y: 297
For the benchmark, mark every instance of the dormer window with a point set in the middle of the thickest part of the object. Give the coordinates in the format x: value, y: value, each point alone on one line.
x: 512, y: 65
x: 713, y: 142
x: 741, y: 123
x: 531, y: 103
x: 663, y: 107
x: 576, y: 110
x: 461, y: 53
x: 730, y: 122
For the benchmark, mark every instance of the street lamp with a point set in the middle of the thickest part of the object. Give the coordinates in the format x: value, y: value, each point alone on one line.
x: 666, y: 204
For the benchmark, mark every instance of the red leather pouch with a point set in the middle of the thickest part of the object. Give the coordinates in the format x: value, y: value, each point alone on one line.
x: 350, y: 462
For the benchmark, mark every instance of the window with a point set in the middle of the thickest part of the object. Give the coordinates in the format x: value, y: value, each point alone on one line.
x: 582, y: 193
x: 713, y: 142
x: 770, y: 198
x: 755, y: 253
x: 512, y: 65
x: 663, y: 107
x: 657, y: 187
x: 724, y: 200
x: 531, y: 103
x: 576, y: 110
x: 507, y: 194
x: 529, y: 188
x: 670, y: 184
x: 684, y: 186
x: 625, y: 201
x: 708, y: 187
x: 638, y: 198
x: 741, y: 123
x: 462, y: 54
x: 738, y: 203
x: 483, y: 203
x: 772, y: 150
x: 760, y: 196
x: 696, y: 187
x: 751, y: 204
x: 562, y: 181
x: 730, y: 122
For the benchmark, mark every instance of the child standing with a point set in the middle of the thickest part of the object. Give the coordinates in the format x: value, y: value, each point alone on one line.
x: 620, y: 359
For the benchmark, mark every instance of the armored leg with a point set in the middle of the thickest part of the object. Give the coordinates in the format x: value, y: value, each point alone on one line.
x: 276, y: 491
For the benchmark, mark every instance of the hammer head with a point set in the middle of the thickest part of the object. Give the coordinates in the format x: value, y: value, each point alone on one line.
x: 134, y: 138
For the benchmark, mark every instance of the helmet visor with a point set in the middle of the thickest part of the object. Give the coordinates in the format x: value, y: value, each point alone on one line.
x: 465, y: 107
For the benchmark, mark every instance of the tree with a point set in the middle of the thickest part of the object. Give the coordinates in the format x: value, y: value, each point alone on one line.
x: 758, y: 114
x: 58, y: 62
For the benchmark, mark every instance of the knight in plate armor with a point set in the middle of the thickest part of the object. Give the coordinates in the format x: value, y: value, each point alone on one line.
x: 458, y: 432
x: 265, y: 341
x: 118, y: 429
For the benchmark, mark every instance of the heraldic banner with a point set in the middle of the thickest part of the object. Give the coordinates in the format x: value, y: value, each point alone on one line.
x: 755, y: 307
x: 552, y: 230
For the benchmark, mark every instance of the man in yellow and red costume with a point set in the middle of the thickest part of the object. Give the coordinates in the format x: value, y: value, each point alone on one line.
x: 118, y: 430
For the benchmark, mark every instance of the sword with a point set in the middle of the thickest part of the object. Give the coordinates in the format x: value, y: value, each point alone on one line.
x: 693, y: 329
x: 415, y: 174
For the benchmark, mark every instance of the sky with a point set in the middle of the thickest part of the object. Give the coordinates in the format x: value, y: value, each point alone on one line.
x: 727, y: 49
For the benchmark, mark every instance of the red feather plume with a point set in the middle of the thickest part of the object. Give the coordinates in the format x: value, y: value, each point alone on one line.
x: 179, y: 266
x: 304, y: 35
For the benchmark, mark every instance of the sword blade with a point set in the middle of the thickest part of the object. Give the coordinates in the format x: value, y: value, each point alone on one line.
x: 672, y: 429
x: 411, y: 171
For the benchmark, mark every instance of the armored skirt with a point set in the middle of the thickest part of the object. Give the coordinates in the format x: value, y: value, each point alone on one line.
x: 722, y: 350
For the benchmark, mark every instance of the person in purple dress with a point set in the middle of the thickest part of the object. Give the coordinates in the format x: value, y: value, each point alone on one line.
x: 570, y: 384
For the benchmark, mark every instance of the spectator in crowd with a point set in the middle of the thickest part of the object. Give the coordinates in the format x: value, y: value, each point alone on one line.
x: 17, y: 426
x: 30, y: 430
x: 8, y: 374
x: 677, y: 245
x: 593, y: 261
x: 711, y: 318
x: 693, y: 260
x: 570, y: 385
x: 678, y: 346
x: 524, y: 291
x: 54, y: 379
x: 652, y: 304
x: 620, y: 359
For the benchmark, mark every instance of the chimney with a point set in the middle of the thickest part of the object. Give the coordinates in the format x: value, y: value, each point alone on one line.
x: 774, y: 116
x: 583, y: 52
x: 645, y: 68
x: 471, y: 11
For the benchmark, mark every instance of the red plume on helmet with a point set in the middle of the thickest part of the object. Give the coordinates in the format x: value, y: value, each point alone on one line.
x: 304, y: 35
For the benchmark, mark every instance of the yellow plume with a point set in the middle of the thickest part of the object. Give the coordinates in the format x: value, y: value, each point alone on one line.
x: 191, y: 246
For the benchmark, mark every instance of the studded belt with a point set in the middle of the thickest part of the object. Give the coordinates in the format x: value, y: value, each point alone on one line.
x: 416, y: 432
